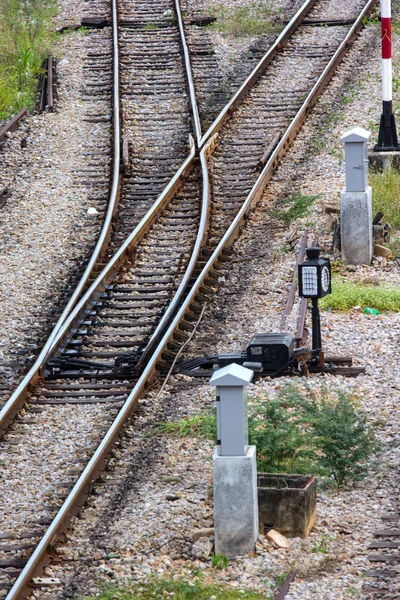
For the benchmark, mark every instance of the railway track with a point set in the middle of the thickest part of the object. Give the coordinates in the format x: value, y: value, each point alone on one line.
x: 147, y: 299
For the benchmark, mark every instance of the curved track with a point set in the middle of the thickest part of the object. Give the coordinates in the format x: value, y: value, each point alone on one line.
x: 93, y: 355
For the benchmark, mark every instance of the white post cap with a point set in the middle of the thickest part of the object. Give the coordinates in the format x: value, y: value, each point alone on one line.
x: 232, y: 375
x: 357, y: 134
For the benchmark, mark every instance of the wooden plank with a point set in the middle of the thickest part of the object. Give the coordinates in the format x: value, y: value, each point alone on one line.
x: 381, y: 573
x: 384, y: 558
x: 82, y: 393
x: 13, y: 562
x: 76, y: 401
x: 387, y: 533
x: 12, y: 547
x: 21, y: 535
x: 377, y: 545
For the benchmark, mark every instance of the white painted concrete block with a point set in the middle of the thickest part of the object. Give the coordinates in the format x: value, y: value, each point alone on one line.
x: 235, y: 503
x: 356, y: 226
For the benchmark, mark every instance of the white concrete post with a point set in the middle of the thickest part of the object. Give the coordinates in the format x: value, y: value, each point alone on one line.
x: 234, y: 466
x: 356, y: 200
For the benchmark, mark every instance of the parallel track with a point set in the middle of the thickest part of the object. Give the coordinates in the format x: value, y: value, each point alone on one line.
x: 119, y: 291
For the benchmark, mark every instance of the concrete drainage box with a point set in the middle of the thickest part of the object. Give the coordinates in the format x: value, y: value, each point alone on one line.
x: 287, y: 503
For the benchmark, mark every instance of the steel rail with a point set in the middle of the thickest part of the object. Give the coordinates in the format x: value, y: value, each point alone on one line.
x: 17, y: 399
x: 96, y: 464
x: 277, y: 154
x: 102, y: 243
x: 280, y: 41
x: 105, y: 233
x: 90, y: 298
x: 189, y: 76
x: 11, y: 125
x: 200, y: 240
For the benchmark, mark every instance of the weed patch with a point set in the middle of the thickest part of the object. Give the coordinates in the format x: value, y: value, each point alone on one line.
x: 251, y: 20
x: 219, y: 561
x: 345, y: 295
x: 386, y: 195
x: 25, y: 41
x: 182, y: 588
x: 298, y: 207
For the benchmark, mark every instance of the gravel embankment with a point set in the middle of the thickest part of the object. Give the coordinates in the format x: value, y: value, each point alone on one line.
x: 159, y: 490
x: 45, y: 231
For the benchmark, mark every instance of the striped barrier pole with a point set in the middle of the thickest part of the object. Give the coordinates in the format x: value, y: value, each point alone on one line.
x: 387, y: 139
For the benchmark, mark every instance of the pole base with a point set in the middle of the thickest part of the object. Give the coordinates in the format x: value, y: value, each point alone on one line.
x: 387, y: 139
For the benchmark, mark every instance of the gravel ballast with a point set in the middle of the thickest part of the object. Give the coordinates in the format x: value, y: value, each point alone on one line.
x: 140, y: 519
x: 46, y: 234
x: 159, y: 488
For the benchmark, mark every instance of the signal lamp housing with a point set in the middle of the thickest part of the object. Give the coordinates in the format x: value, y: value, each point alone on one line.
x: 314, y: 275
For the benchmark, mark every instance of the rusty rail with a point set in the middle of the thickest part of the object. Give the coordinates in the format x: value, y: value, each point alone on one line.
x: 11, y: 126
x: 292, y: 291
x: 286, y: 585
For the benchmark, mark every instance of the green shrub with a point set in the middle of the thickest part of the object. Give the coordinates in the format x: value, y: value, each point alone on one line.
x: 345, y: 295
x: 343, y: 439
x: 282, y: 446
x: 314, y: 432
x: 25, y: 41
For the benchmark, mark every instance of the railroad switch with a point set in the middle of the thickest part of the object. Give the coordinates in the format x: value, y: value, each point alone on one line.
x: 275, y: 354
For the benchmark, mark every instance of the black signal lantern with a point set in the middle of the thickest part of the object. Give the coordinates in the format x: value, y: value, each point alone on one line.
x: 314, y: 283
x: 314, y: 275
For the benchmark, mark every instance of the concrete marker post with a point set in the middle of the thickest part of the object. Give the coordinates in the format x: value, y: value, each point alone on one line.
x: 356, y: 200
x: 234, y: 466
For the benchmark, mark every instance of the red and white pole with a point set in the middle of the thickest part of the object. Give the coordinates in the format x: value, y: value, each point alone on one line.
x: 387, y: 139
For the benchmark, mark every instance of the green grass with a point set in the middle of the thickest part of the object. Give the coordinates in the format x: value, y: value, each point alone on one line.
x: 200, y: 425
x: 386, y: 195
x: 25, y: 41
x: 345, y: 295
x: 299, y: 205
x: 219, y: 561
x: 176, y: 589
x: 251, y: 20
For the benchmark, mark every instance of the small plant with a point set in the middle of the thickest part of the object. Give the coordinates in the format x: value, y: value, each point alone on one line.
x: 219, y: 561
x: 149, y: 26
x: 345, y: 295
x: 299, y: 205
x: 280, y: 579
x: 322, y: 545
